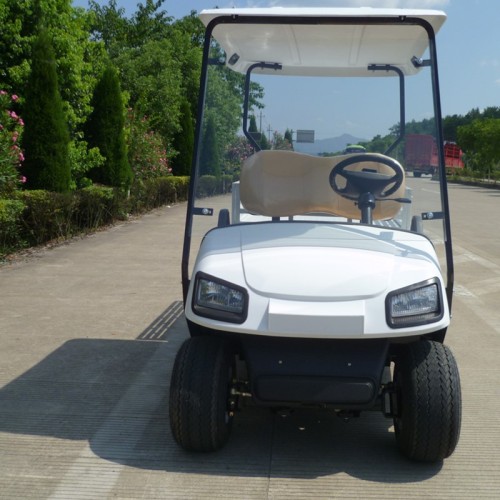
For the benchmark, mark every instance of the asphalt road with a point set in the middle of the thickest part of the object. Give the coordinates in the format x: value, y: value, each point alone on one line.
x: 88, y: 334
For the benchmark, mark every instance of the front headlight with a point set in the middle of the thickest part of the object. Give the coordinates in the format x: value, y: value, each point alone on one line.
x: 415, y: 305
x: 217, y: 299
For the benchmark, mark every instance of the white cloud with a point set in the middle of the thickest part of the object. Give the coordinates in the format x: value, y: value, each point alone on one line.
x: 489, y: 63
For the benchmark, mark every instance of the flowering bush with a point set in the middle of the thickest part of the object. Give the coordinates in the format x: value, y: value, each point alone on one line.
x: 147, y: 154
x: 237, y: 152
x: 11, y: 155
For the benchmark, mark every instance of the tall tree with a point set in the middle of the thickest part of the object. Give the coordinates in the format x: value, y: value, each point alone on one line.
x: 259, y: 137
x: 46, y: 136
x: 78, y: 58
x: 159, y: 60
x: 192, y: 26
x: 109, y: 25
x: 253, y: 130
x: 282, y: 141
x: 289, y: 137
x: 105, y: 130
x: 189, y: 55
x: 223, y: 104
x: 153, y: 78
x: 210, y: 161
x: 148, y: 23
x: 184, y: 142
x: 480, y: 140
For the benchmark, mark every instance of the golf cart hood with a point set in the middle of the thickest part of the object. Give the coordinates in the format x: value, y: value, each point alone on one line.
x: 324, y: 277
x: 318, y: 263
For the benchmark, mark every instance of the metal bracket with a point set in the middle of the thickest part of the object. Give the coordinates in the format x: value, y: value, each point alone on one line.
x: 432, y: 215
x: 203, y: 211
x: 420, y: 63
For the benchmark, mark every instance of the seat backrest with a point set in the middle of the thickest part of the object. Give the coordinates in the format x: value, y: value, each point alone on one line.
x: 285, y: 183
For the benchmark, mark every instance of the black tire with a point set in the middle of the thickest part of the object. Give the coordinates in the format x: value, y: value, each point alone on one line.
x: 199, y: 392
x: 428, y: 419
x: 417, y: 174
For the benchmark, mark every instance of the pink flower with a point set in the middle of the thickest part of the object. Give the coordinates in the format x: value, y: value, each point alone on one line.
x: 23, y: 179
x: 13, y: 114
x: 21, y: 158
x: 20, y: 121
x: 15, y: 97
x: 2, y: 92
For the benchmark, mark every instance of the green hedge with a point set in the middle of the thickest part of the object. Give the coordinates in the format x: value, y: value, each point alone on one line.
x: 158, y: 192
x: 46, y: 216
x: 209, y: 185
x: 10, y: 225
x: 36, y: 217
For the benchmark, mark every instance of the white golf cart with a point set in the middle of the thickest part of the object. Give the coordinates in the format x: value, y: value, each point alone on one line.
x: 320, y: 281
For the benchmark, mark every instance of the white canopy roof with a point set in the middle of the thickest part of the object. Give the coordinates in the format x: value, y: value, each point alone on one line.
x: 323, y: 49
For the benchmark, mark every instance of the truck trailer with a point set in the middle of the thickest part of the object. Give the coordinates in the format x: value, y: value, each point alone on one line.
x: 421, y: 155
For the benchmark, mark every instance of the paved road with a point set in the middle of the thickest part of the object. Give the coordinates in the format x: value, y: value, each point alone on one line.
x: 88, y: 334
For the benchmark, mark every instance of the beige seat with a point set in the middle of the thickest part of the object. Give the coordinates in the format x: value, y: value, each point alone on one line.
x: 286, y: 183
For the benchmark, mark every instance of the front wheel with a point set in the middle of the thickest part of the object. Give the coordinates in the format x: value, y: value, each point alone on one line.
x: 200, y: 418
x: 428, y: 419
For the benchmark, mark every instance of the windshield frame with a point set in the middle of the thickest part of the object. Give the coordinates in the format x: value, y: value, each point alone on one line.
x: 323, y: 20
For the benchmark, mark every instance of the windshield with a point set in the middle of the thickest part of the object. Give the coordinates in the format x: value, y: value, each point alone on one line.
x: 318, y: 118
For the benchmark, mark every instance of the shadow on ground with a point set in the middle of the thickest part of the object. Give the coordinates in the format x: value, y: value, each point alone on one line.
x: 113, y: 394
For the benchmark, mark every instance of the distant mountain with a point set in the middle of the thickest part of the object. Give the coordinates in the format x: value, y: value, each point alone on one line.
x: 332, y: 145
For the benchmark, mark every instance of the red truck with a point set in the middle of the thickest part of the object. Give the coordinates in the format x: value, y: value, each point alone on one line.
x: 421, y: 155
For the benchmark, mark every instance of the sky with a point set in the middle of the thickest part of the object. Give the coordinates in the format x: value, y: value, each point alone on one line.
x: 468, y: 44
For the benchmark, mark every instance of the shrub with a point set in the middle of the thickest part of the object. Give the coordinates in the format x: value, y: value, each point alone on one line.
x: 38, y: 216
x: 47, y: 215
x: 11, y: 155
x: 181, y: 185
x: 207, y: 186
x: 237, y: 152
x: 159, y: 192
x: 226, y: 183
x: 83, y: 160
x: 10, y: 220
x: 146, y: 152
x: 97, y: 206
x: 154, y: 193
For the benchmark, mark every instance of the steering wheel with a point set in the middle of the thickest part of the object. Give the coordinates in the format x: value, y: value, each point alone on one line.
x: 366, y: 180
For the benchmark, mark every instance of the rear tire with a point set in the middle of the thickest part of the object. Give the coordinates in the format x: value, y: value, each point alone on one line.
x: 428, y: 419
x: 200, y: 419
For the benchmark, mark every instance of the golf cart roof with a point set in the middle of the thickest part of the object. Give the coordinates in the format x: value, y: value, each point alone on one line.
x: 319, y: 49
